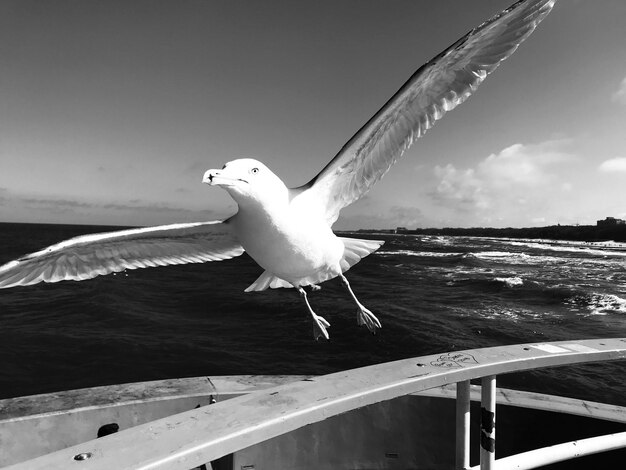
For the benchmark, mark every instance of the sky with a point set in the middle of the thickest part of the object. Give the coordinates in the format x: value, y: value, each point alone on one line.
x: 111, y: 111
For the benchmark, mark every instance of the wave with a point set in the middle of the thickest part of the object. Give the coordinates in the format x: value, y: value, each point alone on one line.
x: 511, y: 281
x: 594, y: 249
x: 601, y: 304
x: 512, y: 257
x: 442, y: 240
x: 429, y: 254
x: 530, y: 259
x: 509, y: 314
x: 598, y: 304
x: 495, y: 255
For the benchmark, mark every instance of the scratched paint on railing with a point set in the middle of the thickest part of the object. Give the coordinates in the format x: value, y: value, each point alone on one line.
x: 454, y: 360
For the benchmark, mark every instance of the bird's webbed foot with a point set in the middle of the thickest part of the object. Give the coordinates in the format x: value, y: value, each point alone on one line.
x: 319, y: 323
x: 367, y: 318
x: 363, y: 315
x: 319, y: 327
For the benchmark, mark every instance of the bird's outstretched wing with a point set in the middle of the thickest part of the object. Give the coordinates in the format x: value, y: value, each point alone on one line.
x: 88, y: 256
x: 437, y: 87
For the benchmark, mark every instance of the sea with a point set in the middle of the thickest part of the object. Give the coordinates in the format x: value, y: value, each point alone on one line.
x: 432, y: 294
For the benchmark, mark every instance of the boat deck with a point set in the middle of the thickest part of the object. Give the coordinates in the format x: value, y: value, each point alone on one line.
x: 393, y: 415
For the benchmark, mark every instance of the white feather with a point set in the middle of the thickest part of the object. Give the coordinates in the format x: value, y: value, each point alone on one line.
x: 88, y: 256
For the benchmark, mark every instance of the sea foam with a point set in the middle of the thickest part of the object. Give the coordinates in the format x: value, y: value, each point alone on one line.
x: 511, y: 281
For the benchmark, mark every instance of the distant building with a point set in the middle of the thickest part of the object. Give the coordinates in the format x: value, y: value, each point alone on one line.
x: 610, y: 222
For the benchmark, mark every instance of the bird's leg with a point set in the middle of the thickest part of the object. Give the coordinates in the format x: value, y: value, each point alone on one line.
x: 363, y: 315
x: 319, y: 324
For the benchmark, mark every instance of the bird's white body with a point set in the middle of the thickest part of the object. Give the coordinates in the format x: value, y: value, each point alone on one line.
x: 281, y: 235
x: 283, y: 241
x: 288, y: 231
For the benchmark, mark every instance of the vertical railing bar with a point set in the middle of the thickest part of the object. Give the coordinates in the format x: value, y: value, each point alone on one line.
x: 488, y: 423
x: 462, y: 425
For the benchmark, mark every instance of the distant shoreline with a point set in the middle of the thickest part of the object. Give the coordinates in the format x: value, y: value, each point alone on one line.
x: 581, y: 233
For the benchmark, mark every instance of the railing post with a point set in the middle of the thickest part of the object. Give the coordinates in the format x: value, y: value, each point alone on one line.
x: 488, y: 423
x: 462, y: 425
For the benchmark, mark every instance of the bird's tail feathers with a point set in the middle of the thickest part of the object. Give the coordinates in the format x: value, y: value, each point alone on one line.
x: 265, y: 280
x: 356, y: 249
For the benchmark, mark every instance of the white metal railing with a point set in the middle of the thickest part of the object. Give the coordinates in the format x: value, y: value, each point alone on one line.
x: 524, y: 460
x: 560, y: 452
x: 192, y: 438
x: 463, y: 424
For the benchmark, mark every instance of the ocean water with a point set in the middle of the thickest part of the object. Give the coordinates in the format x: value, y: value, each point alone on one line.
x: 432, y: 294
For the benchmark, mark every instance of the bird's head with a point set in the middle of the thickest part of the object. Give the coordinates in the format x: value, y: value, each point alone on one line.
x: 247, y: 179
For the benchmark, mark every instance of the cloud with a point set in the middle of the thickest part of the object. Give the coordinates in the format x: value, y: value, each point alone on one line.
x: 613, y: 165
x: 381, y: 217
x: 460, y: 187
x: 515, y: 170
x: 56, y: 203
x: 63, y: 205
x: 620, y: 95
x: 405, y: 216
x: 517, y: 180
x: 138, y: 206
x: 520, y: 164
x: 137, y: 211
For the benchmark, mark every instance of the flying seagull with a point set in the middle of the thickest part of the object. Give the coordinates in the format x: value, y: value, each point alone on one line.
x: 287, y: 231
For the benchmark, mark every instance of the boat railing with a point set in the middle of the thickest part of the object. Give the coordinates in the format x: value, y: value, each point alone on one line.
x: 196, y: 437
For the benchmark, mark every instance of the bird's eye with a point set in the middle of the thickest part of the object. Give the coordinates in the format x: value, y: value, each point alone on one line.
x: 254, y: 171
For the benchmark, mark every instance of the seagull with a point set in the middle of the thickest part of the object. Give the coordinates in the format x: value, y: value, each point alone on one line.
x: 288, y: 231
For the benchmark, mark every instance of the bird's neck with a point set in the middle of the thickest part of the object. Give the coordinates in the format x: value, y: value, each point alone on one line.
x: 266, y: 205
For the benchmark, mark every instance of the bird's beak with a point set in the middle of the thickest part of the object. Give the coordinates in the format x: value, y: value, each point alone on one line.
x: 209, y: 176
x: 216, y: 178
